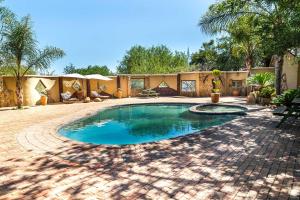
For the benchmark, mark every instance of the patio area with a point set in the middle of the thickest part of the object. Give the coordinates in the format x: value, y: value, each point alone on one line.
x: 247, y: 158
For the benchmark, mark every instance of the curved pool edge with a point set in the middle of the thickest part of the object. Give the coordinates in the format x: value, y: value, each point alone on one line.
x: 193, y: 109
x: 66, y: 139
x: 62, y: 142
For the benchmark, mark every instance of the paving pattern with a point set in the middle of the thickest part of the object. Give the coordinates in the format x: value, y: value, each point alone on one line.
x: 247, y: 158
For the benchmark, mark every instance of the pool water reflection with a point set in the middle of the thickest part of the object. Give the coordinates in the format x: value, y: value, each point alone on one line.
x: 136, y: 124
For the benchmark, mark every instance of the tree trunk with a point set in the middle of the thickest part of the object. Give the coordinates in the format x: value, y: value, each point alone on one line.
x: 278, y: 63
x: 249, y: 62
x: 19, y: 92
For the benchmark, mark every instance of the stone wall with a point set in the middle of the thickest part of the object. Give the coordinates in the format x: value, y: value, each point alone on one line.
x: 197, y: 84
x: 6, y: 96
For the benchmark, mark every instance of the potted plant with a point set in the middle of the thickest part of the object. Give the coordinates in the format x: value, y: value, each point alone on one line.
x: 216, y: 83
x: 286, y: 97
x: 119, y: 93
x: 262, y: 84
x: 44, y: 98
x: 236, y: 88
x: 266, y: 94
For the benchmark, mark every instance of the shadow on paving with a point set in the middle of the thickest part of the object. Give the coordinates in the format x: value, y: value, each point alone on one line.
x: 247, y: 158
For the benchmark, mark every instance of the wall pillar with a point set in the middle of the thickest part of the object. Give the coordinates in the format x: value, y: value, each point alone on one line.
x: 60, y: 88
x: 129, y: 86
x: 118, y: 82
x: 178, y: 83
x: 88, y: 87
x: 226, y: 88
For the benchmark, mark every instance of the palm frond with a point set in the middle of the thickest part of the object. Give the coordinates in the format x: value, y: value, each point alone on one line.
x: 213, y: 23
x: 42, y: 59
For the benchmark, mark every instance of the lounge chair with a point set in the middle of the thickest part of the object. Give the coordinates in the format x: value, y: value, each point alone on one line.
x: 67, y: 97
x: 148, y: 93
x: 286, y: 112
x: 95, y: 94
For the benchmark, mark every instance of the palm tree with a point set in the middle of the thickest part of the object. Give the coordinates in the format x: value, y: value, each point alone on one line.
x: 20, y: 52
x: 276, y: 23
x: 244, y: 40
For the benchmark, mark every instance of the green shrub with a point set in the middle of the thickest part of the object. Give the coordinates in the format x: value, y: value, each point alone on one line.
x: 267, y: 92
x: 216, y: 82
x: 262, y: 79
x: 216, y: 73
x: 286, y: 97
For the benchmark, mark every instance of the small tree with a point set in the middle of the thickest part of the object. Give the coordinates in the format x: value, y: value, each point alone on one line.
x: 20, y: 52
x: 263, y: 80
x: 91, y: 69
x: 216, y: 81
x: 276, y: 23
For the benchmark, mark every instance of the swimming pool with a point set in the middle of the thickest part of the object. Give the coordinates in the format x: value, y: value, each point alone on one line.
x: 135, y: 124
x: 219, y: 109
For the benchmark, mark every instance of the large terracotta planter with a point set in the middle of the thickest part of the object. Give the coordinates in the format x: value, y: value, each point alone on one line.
x: 119, y: 94
x: 235, y: 92
x: 264, y: 101
x: 215, y: 97
x: 44, y: 100
x: 251, y: 98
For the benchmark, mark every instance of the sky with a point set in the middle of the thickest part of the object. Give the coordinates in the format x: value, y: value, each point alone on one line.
x: 99, y: 32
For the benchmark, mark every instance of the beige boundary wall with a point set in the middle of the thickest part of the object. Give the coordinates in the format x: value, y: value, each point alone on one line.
x: 202, y: 80
x: 291, y: 68
x: 52, y: 85
x: 258, y: 70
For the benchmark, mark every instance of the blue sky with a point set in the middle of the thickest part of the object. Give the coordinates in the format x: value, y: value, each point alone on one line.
x: 100, y: 31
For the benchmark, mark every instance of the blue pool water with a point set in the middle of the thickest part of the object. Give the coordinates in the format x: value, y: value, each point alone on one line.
x: 136, y: 124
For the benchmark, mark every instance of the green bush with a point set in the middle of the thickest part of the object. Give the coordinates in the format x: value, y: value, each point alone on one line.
x: 262, y: 79
x: 216, y: 82
x: 216, y: 73
x: 287, y: 97
x: 267, y: 92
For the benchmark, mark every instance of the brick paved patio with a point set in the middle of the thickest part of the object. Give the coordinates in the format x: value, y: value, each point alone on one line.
x: 244, y: 159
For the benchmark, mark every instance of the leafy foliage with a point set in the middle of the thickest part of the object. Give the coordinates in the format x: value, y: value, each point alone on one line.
x: 274, y: 23
x: 217, y: 56
x: 156, y: 59
x: 267, y: 92
x: 5, y: 70
x: 91, y: 69
x: 206, y: 57
x: 216, y: 81
x: 262, y: 79
x: 286, y: 97
x: 6, y: 19
x: 19, y: 50
x: 216, y: 73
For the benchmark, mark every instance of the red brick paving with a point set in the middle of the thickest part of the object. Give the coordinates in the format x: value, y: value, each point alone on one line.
x: 245, y: 159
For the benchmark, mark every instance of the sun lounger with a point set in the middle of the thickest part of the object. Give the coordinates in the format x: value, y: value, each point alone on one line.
x: 95, y: 94
x: 148, y: 93
x: 67, y: 97
x: 286, y: 112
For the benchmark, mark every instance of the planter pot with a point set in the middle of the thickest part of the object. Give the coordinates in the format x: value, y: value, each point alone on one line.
x: 235, y: 92
x: 264, y: 101
x: 119, y: 94
x: 251, y: 98
x: 87, y: 100
x: 215, y: 97
x: 44, y: 100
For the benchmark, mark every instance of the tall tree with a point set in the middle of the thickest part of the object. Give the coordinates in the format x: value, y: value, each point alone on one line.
x: 91, y: 69
x: 217, y: 55
x: 156, y: 59
x: 20, y: 52
x: 245, y: 42
x: 206, y: 57
x: 276, y: 22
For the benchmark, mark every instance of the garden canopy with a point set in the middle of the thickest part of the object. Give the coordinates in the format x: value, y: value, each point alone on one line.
x: 98, y: 77
x: 75, y: 75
